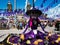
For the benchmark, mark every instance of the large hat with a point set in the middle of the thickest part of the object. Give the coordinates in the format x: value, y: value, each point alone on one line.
x: 34, y: 11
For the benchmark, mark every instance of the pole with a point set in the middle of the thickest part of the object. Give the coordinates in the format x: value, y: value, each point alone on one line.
x: 33, y: 4
x: 14, y: 4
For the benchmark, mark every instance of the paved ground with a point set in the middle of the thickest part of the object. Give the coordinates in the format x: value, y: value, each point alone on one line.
x: 5, y: 33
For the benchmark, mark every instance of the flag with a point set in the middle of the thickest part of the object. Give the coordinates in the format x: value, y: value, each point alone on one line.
x: 52, y: 3
x: 46, y: 9
x: 56, y: 1
x: 41, y: 5
x: 44, y: 1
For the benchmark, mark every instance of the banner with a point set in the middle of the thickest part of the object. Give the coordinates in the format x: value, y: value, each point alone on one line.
x: 44, y: 1
x: 41, y: 5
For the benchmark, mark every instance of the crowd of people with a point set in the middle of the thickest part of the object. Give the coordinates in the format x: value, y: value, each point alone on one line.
x: 20, y: 24
x: 31, y: 38
x: 12, y: 23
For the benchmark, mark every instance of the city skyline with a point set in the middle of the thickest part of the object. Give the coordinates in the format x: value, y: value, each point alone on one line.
x: 20, y: 4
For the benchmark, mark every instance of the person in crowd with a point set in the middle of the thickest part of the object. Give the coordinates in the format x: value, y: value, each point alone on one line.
x: 25, y: 23
x: 4, y: 25
x: 50, y: 24
x: 21, y: 25
x: 18, y: 26
x: 57, y: 26
x: 45, y: 24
